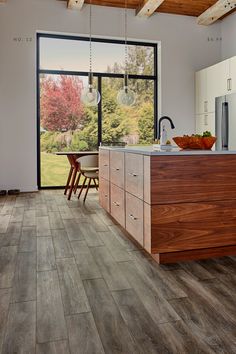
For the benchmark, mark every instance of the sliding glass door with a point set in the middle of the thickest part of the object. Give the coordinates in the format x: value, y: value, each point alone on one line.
x: 65, y: 125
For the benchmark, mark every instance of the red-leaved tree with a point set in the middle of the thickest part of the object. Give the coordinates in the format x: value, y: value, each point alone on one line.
x: 61, y: 106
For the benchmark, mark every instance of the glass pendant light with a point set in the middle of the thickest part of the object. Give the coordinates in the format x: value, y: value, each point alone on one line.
x: 126, y: 97
x: 90, y: 96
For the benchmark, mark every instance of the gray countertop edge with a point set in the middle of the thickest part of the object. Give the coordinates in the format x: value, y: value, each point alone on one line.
x: 149, y: 152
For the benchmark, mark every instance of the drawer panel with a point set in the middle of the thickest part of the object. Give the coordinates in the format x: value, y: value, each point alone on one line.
x: 134, y: 217
x: 117, y: 168
x: 190, y: 226
x: 194, y: 178
x: 134, y: 174
x: 104, y: 163
x: 118, y: 204
x: 104, y: 194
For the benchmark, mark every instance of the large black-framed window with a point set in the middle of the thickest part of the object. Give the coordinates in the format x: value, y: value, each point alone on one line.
x: 101, y: 77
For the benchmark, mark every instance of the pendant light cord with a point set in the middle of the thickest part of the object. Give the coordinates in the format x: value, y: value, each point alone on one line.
x: 126, y: 47
x: 90, y: 43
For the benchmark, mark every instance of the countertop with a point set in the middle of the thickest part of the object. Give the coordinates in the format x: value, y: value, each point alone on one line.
x: 148, y: 150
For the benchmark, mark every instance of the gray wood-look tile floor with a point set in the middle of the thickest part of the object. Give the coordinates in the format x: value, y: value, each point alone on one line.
x: 72, y: 282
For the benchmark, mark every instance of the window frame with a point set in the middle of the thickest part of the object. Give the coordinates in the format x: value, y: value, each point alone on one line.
x: 99, y: 76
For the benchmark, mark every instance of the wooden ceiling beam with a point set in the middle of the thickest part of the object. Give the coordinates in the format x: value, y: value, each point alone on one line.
x: 75, y: 4
x: 215, y: 12
x: 148, y: 7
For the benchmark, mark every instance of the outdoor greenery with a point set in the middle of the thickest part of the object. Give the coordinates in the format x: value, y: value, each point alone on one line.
x: 68, y: 125
x: 54, y: 169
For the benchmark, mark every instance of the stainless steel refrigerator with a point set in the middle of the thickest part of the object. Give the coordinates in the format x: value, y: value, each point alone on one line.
x: 226, y: 122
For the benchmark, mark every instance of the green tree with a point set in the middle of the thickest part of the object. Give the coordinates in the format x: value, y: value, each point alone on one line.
x: 89, y: 132
x: 115, y: 124
x: 146, y: 123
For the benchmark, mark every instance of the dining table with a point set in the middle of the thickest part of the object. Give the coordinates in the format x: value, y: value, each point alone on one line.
x: 72, y: 157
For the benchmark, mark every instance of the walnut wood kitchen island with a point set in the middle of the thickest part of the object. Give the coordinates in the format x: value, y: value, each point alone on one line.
x: 177, y: 205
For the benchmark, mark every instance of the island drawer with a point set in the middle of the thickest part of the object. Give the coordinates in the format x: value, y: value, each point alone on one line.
x: 118, y: 204
x: 104, y: 194
x: 193, y: 178
x: 134, y: 217
x: 134, y: 174
x: 104, y: 163
x: 117, y: 168
x: 191, y: 226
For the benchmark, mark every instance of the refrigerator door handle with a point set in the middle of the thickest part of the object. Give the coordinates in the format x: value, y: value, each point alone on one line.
x: 229, y: 84
x: 225, y: 126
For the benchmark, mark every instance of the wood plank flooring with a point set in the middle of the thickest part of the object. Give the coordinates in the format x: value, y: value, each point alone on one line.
x: 71, y: 282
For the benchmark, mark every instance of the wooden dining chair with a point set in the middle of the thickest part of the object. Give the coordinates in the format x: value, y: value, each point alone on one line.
x: 89, y: 170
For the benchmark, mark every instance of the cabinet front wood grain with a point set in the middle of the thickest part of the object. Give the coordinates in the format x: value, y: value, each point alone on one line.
x: 117, y: 168
x: 184, y: 179
x: 134, y: 174
x: 134, y: 217
x: 118, y: 204
x: 188, y: 226
x: 104, y: 194
x: 104, y: 163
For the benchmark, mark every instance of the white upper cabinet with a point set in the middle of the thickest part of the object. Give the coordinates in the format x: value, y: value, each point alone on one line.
x: 217, y: 76
x: 232, y: 75
x: 212, y: 82
x: 205, y: 122
x: 201, y: 91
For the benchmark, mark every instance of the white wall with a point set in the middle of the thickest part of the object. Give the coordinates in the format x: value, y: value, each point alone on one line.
x: 185, y: 49
x: 228, y: 31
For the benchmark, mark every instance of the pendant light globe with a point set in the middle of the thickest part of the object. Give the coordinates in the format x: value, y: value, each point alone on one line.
x: 126, y: 97
x: 90, y: 96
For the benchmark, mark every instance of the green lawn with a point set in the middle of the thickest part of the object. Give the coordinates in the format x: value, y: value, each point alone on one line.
x: 54, y: 170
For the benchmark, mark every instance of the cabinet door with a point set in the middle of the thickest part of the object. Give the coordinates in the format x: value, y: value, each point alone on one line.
x: 205, y: 122
x: 104, y: 162
x: 118, y: 204
x: 134, y: 217
x: 233, y: 74
x: 117, y: 168
x: 199, y: 124
x: 104, y: 194
x: 217, y: 84
x: 134, y: 174
x: 201, y: 91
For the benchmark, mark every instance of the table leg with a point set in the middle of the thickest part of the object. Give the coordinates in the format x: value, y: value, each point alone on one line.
x: 72, y: 183
x: 68, y: 180
x: 77, y: 183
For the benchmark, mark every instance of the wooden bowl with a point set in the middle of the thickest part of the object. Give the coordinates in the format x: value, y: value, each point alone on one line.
x: 194, y: 142
x: 182, y: 141
x: 208, y: 142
